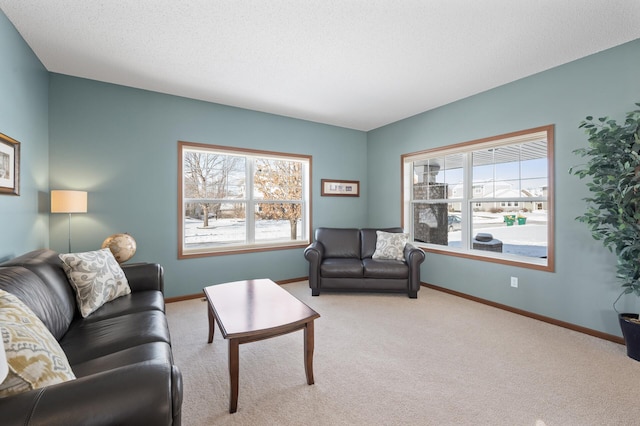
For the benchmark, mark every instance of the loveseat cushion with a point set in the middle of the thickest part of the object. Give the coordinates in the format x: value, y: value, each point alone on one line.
x: 369, y: 238
x: 87, y: 340
x: 339, y: 242
x: 341, y: 268
x: 392, y: 269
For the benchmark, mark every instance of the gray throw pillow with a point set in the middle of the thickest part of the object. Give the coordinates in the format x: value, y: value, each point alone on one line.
x: 390, y: 245
x: 96, y: 277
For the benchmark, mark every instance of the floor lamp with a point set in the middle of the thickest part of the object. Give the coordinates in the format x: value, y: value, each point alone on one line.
x: 63, y: 201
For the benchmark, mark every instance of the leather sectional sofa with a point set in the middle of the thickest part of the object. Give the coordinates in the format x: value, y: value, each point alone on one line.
x: 342, y: 259
x: 120, y: 354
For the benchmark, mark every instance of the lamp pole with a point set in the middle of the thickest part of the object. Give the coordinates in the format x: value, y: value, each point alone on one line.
x: 69, y: 233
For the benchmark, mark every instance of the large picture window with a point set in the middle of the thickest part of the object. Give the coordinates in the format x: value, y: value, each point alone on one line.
x: 489, y: 199
x: 237, y: 200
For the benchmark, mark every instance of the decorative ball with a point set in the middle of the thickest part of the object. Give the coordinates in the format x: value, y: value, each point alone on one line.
x: 123, y: 246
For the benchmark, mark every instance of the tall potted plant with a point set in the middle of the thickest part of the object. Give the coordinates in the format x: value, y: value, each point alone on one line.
x: 613, y: 207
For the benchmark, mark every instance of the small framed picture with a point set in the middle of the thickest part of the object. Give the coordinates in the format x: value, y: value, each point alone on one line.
x: 340, y: 188
x: 9, y: 165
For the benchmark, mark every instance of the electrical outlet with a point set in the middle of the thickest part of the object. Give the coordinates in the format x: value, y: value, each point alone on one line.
x: 514, y: 282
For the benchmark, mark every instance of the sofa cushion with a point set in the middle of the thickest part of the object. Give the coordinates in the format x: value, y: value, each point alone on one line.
x: 87, y: 340
x: 34, y: 356
x: 154, y: 351
x: 140, y: 301
x: 369, y: 236
x: 144, y: 276
x: 390, y: 245
x: 341, y: 268
x: 37, y: 296
x: 47, y: 266
x: 339, y: 242
x: 394, y: 269
x: 96, y: 277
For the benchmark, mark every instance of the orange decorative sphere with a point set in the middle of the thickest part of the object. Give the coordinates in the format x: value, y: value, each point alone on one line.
x: 123, y: 246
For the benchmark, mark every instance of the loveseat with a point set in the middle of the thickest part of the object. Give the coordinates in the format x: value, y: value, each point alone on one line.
x: 349, y: 259
x: 120, y: 354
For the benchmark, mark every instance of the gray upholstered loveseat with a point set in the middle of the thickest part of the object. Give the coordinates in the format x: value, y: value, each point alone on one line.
x: 342, y: 259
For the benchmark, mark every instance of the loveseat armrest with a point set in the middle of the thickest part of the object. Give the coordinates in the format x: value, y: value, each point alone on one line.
x: 314, y: 253
x: 414, y: 256
x: 137, y: 394
x: 144, y: 276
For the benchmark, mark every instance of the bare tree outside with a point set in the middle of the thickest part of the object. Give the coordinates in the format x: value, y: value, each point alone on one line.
x: 237, y: 199
x: 207, y: 177
x: 279, y: 180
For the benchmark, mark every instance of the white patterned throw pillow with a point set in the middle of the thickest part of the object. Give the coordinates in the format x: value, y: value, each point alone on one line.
x: 96, y: 277
x: 34, y: 356
x: 390, y: 245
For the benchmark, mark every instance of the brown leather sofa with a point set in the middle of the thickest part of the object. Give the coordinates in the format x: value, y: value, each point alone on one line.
x: 340, y: 259
x: 120, y: 354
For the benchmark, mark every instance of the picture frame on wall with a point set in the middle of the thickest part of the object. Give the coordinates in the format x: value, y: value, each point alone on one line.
x: 340, y: 188
x: 9, y: 165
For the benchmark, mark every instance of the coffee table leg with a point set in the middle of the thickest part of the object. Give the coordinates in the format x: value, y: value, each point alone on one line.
x: 234, y: 367
x: 211, y: 324
x: 308, y: 352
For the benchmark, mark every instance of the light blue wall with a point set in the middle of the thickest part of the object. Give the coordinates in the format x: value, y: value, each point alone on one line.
x: 24, y: 220
x: 121, y: 145
x: 583, y: 288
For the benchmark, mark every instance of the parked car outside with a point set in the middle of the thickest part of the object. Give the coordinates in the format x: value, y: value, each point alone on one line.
x: 455, y: 224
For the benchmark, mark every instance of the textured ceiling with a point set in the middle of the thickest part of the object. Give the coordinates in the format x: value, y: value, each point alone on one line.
x: 358, y: 64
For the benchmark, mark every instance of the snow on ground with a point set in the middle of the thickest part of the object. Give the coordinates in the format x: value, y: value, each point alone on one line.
x: 529, y: 239
x: 225, y: 231
x: 526, y: 240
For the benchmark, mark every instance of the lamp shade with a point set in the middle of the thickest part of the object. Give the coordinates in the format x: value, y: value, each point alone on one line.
x: 63, y: 201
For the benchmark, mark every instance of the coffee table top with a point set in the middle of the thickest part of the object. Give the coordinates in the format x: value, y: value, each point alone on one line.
x: 243, y: 308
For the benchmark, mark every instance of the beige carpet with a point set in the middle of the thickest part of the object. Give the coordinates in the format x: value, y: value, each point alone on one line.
x: 383, y: 359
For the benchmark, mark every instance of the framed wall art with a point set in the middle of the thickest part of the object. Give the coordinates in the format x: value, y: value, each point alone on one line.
x: 340, y: 188
x: 9, y: 165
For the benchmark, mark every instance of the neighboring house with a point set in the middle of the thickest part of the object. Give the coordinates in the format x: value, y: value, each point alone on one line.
x: 499, y: 190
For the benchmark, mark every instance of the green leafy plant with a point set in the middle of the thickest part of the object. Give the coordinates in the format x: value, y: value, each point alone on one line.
x: 613, y: 208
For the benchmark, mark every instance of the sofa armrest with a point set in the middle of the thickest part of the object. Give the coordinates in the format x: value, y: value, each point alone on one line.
x: 176, y: 391
x: 137, y: 394
x: 144, y: 276
x: 314, y: 254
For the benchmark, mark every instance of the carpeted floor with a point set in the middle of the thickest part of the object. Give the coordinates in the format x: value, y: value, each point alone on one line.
x: 385, y: 359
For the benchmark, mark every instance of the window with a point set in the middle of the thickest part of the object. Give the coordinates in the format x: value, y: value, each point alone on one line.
x: 238, y: 200
x: 499, y: 189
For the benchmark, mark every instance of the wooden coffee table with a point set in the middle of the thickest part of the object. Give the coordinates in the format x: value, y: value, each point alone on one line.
x: 252, y: 310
